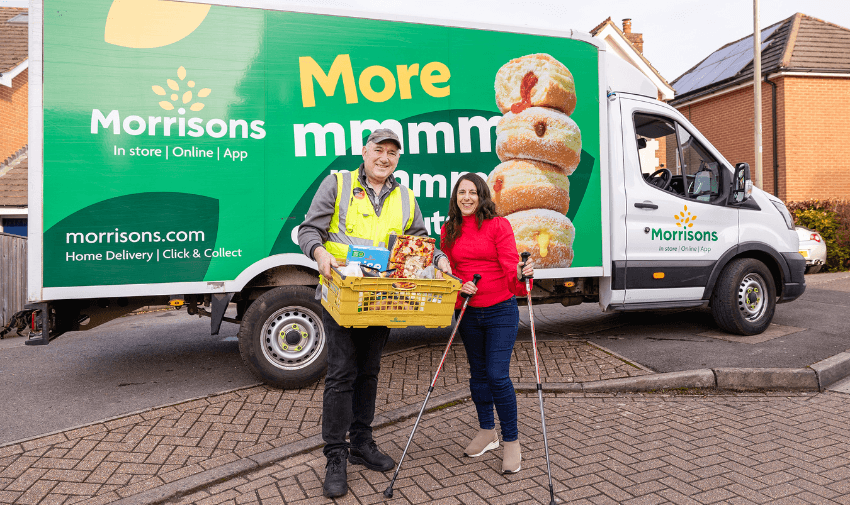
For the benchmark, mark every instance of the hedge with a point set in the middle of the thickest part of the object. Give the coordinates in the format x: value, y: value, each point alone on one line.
x: 830, y: 218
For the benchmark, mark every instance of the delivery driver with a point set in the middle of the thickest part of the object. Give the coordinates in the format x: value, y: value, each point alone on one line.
x: 337, y: 218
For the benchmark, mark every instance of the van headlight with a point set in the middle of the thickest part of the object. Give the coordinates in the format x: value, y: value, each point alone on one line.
x: 789, y: 221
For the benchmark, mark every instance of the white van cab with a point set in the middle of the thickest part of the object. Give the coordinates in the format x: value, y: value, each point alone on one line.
x: 691, y: 231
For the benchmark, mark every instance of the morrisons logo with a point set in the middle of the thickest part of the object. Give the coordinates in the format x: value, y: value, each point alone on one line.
x: 181, y: 94
x: 695, y: 236
x: 684, y: 220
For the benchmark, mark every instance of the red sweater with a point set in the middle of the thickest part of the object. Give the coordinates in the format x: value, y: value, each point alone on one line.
x: 490, y: 252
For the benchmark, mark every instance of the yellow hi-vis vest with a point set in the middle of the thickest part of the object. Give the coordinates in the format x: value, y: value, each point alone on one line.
x: 355, y: 221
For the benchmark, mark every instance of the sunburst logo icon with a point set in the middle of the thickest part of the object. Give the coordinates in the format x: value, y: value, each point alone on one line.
x: 178, y: 96
x: 685, y: 219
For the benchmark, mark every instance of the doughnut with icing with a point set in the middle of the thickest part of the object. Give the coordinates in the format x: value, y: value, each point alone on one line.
x: 535, y: 80
x: 541, y: 134
x: 546, y: 234
x: 524, y: 184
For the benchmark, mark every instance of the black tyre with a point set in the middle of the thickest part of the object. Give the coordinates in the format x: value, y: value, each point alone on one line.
x: 744, y: 298
x: 282, y: 339
x: 813, y: 269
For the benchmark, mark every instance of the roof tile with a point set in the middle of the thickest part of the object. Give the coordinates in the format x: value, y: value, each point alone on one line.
x: 821, y: 45
x: 13, y: 39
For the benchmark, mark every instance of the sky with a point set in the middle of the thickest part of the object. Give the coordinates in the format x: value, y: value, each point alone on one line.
x: 677, y: 34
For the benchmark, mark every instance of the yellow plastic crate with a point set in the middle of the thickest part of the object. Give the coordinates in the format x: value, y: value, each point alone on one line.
x: 373, y: 301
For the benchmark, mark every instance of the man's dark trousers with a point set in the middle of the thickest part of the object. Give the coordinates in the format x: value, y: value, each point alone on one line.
x: 351, y: 384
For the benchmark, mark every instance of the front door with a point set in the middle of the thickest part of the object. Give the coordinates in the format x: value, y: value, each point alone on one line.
x: 677, y: 222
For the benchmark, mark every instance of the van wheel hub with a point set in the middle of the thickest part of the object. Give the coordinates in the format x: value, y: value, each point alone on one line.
x: 751, y: 299
x: 292, y: 337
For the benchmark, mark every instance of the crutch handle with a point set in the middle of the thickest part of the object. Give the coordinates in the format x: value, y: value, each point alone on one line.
x: 525, y: 257
x: 475, y: 279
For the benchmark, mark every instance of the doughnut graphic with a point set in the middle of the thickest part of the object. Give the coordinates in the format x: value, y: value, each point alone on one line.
x: 546, y: 234
x: 540, y: 134
x: 539, y: 146
x: 535, y: 80
x: 524, y: 184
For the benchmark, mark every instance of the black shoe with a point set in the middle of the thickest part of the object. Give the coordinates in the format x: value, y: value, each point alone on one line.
x: 336, y: 476
x: 369, y: 456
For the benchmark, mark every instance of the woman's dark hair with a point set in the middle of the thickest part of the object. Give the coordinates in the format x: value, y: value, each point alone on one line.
x: 486, y: 208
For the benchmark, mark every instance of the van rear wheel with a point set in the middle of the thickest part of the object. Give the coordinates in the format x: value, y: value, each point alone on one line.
x: 282, y: 339
x: 744, y: 298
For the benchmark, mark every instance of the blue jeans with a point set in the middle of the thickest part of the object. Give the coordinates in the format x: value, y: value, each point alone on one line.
x: 488, y: 335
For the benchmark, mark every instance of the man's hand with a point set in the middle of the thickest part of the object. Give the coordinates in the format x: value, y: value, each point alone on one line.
x: 325, y: 261
x: 444, y: 265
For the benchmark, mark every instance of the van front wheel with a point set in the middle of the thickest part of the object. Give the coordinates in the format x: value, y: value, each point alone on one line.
x: 744, y: 299
x: 282, y: 339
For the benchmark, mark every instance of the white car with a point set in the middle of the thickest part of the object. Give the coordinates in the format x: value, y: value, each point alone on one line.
x: 813, y: 248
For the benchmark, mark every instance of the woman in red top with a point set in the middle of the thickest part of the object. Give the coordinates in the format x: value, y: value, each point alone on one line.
x: 477, y: 241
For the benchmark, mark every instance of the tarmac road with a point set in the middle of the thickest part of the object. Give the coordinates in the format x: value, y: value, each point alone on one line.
x: 124, y: 366
x: 805, y: 331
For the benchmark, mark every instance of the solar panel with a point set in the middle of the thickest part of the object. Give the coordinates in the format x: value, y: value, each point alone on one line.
x: 723, y: 63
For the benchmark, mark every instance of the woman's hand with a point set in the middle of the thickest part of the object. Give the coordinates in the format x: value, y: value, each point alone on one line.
x: 527, y: 270
x: 469, y: 288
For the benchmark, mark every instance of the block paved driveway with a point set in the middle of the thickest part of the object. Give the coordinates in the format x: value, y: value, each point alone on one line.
x: 107, y: 461
x: 605, y: 449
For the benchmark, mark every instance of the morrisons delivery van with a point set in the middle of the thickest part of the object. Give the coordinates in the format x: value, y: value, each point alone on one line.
x: 175, y: 148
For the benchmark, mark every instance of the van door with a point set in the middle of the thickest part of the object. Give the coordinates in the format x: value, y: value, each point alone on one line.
x: 677, y: 221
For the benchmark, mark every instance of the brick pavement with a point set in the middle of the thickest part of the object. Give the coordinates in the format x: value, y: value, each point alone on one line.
x: 605, y: 449
x: 122, y: 457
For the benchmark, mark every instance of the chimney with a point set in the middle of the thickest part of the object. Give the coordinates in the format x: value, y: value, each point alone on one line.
x: 635, y: 38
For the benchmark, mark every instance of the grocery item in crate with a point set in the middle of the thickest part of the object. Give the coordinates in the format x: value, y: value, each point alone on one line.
x: 375, y: 257
x: 428, y: 272
x: 351, y: 269
x: 374, y: 272
x: 411, y: 254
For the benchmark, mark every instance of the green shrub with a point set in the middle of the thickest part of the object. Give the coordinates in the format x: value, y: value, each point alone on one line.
x: 830, y: 218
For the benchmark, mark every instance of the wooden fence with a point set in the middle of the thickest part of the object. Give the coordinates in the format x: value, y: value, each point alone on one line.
x: 13, y: 275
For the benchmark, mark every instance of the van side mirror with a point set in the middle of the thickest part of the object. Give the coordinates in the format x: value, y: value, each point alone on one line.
x: 742, y: 184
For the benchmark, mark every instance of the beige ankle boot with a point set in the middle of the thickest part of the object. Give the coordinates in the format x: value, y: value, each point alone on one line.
x: 484, y: 441
x: 511, y: 457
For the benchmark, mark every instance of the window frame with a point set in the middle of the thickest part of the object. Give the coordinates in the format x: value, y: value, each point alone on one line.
x: 722, y: 195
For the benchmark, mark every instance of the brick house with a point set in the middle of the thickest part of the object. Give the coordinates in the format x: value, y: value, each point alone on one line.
x: 805, y: 127
x: 14, y: 91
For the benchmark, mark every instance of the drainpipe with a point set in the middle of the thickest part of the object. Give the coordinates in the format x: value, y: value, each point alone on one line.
x: 775, y: 140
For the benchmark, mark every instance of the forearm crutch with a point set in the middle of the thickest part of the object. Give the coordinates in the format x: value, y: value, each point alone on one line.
x: 389, y: 491
x: 525, y: 257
